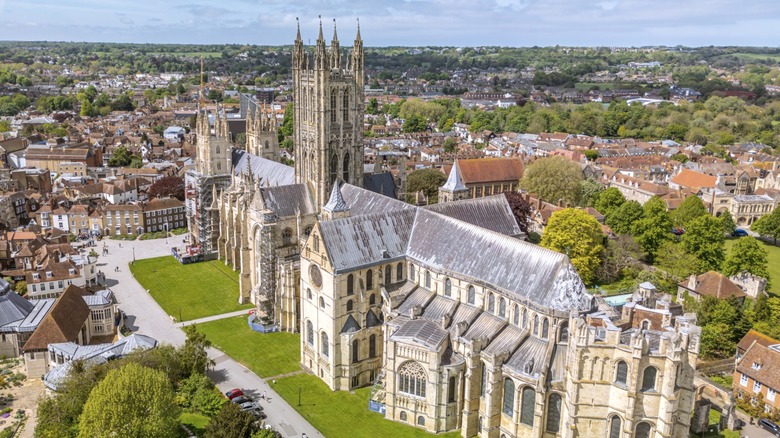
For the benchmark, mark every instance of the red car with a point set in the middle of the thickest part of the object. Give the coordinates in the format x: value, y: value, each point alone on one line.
x: 233, y: 393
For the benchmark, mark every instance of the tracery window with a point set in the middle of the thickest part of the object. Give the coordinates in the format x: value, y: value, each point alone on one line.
x: 622, y: 373
x: 412, y: 379
x: 310, y: 333
x: 325, y: 347
x: 554, y: 413
x: 509, y: 397
x: 286, y: 237
x: 527, y: 406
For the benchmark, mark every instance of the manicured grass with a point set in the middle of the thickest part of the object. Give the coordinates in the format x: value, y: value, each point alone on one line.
x: 712, y: 432
x: 773, y: 265
x: 342, y: 413
x: 196, y: 423
x: 189, y: 291
x: 267, y: 354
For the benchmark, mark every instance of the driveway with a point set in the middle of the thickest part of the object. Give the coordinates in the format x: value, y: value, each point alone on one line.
x: 146, y: 317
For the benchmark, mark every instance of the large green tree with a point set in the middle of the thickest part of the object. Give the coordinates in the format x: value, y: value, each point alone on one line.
x: 727, y: 220
x: 193, y: 355
x: 768, y: 225
x: 132, y: 401
x: 622, y: 219
x: 673, y: 259
x: 704, y: 238
x: 577, y: 234
x: 691, y: 208
x: 654, y: 228
x: 609, y: 200
x: 553, y: 179
x: 427, y: 181
x: 231, y: 422
x: 747, y: 254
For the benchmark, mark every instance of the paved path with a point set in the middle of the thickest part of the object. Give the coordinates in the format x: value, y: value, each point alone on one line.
x: 212, y: 318
x: 145, y: 316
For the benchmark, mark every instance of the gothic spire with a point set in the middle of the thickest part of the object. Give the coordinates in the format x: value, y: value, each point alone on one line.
x: 336, y: 202
x: 454, y: 181
x: 358, y: 38
x: 320, y: 37
x: 298, y: 37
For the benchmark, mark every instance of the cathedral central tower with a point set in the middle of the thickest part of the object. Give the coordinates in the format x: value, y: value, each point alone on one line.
x: 328, y: 115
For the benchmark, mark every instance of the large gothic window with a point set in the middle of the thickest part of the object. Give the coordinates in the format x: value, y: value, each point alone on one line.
x: 447, y: 287
x: 399, y: 272
x: 527, y: 406
x: 502, y: 307
x: 412, y: 379
x: 355, y: 351
x: 536, y: 324
x: 451, y: 386
x: 525, y: 318
x: 472, y: 295
x: 369, y: 279
x: 545, y: 328
x: 345, y: 105
x: 428, y: 279
x: 334, y: 169
x: 350, y: 284
x: 509, y: 397
x: 621, y: 375
x: 614, y: 427
x: 333, y: 109
x: 372, y: 346
x: 388, y: 274
x: 286, y: 237
x: 325, y: 347
x: 345, y: 168
x: 642, y: 430
x: 554, y: 413
x: 648, y: 379
x: 310, y: 333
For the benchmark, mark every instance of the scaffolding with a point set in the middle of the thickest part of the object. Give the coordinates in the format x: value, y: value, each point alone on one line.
x: 268, y: 261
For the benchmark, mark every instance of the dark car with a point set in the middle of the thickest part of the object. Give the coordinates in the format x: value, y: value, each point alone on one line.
x: 233, y: 393
x: 739, y: 232
x: 770, y: 426
x: 678, y: 231
x: 241, y: 399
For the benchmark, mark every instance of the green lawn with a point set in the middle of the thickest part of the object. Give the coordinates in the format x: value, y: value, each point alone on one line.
x: 341, y: 413
x: 189, y: 291
x: 196, y: 423
x: 712, y: 433
x: 267, y: 354
x: 773, y: 259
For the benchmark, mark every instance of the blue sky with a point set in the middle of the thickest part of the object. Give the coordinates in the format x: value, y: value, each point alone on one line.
x: 404, y: 22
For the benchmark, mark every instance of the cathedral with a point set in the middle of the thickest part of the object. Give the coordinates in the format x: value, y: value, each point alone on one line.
x: 452, y: 319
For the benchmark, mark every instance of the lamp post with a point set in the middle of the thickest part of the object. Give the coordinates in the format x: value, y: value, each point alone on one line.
x: 179, y: 313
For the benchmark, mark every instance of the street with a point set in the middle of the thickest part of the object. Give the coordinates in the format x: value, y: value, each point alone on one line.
x: 146, y: 317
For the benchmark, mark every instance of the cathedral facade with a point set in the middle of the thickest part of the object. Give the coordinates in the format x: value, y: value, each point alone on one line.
x: 452, y: 319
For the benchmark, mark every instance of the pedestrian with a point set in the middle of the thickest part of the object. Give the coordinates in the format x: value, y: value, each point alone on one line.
x: 264, y: 396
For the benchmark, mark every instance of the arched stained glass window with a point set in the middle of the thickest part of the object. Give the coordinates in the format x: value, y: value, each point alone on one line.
x: 412, y: 379
x: 508, y: 405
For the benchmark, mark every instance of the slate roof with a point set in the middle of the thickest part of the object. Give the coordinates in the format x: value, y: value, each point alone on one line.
x: 13, y: 308
x: 533, y: 349
x: 489, y: 212
x: 363, y: 201
x: 380, y: 183
x: 336, y: 202
x: 270, y: 173
x: 285, y: 200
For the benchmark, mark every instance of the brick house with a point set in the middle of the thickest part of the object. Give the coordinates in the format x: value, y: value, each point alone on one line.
x: 757, y: 372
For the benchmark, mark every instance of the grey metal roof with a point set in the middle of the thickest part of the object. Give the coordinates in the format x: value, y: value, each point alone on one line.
x: 420, y: 331
x: 381, y: 183
x: 464, y: 313
x: 520, y: 269
x: 362, y: 201
x: 270, y: 173
x: 285, y: 200
x: 336, y: 202
x: 507, y: 340
x: 100, y: 298
x: 532, y: 350
x: 454, y: 181
x: 438, y: 307
x: 13, y: 308
x: 4, y: 286
x: 40, y: 310
x: 359, y: 241
x: 558, y: 365
x: 491, y: 212
x: 485, y: 326
x: 372, y: 320
x: 419, y: 297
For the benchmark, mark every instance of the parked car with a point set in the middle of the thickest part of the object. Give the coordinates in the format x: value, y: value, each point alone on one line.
x: 248, y: 406
x: 241, y: 399
x: 739, y: 232
x: 233, y: 393
x: 770, y: 426
x: 258, y: 413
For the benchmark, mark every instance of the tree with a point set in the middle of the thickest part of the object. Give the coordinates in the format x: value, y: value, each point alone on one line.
x: 704, y: 239
x: 716, y: 342
x: 673, y: 259
x: 728, y: 222
x: 131, y: 401
x: 172, y: 186
x: 415, y: 123
x: 88, y: 109
x: 197, y: 393
x: 654, y: 228
x: 267, y: 433
x: 121, y: 157
x: 521, y: 209
x: 768, y: 225
x: 623, y: 218
x: 241, y: 140
x: 589, y: 192
x: 193, y: 355
x: 578, y: 235
x: 691, y: 208
x: 591, y: 154
x: 449, y: 144
x: 373, y: 106
x: 553, y: 179
x: 749, y: 255
x: 426, y: 180
x: 609, y: 200
x: 21, y: 287
x: 620, y: 259
x: 231, y: 422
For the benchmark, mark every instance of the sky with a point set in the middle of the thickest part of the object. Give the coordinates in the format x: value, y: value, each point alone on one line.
x: 517, y: 23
